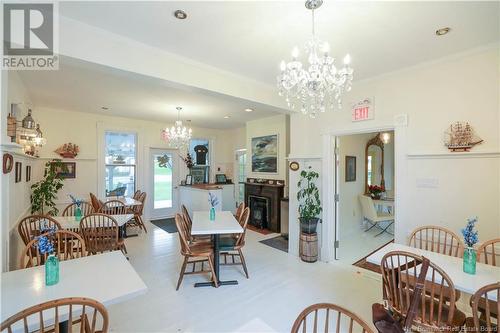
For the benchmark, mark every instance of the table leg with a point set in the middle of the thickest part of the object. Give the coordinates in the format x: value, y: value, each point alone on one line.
x: 216, y: 239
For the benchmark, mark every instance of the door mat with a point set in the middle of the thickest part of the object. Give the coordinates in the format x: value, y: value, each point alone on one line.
x: 278, y: 242
x: 166, y: 224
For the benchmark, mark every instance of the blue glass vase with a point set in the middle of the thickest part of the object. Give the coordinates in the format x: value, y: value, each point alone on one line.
x: 212, y: 214
x: 78, y: 214
x: 469, y: 265
x: 51, y: 270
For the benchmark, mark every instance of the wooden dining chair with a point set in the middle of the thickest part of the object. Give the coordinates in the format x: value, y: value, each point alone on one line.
x: 436, y: 239
x: 198, y: 252
x: 485, y: 309
x: 91, y: 316
x: 189, y: 225
x: 327, y: 317
x: 101, y: 234
x: 232, y: 246
x: 489, y: 252
x: 85, y: 206
x: 33, y: 225
x: 239, y: 211
x: 136, y: 194
x: 96, y: 203
x: 113, y: 207
x: 67, y: 245
x: 138, y: 210
x: 437, y: 310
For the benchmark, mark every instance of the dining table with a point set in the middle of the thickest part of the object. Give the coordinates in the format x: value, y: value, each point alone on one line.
x: 468, y: 283
x: 129, y: 202
x: 107, y: 278
x: 224, y: 224
x: 73, y: 223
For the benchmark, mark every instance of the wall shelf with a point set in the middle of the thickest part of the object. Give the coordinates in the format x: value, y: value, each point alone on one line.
x: 450, y: 155
x: 68, y: 159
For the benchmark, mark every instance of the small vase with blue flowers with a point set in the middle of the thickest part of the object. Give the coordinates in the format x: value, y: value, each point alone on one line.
x: 78, y: 210
x: 470, y: 239
x: 213, y: 201
x: 46, y: 247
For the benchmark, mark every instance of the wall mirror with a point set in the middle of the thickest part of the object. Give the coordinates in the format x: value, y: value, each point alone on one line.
x: 374, y: 162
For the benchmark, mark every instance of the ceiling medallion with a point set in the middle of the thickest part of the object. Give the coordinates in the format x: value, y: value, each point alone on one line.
x: 317, y: 84
x: 177, y: 136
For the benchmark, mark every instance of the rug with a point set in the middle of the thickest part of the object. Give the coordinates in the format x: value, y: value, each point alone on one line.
x: 278, y: 242
x: 368, y: 265
x: 166, y: 224
x: 259, y: 230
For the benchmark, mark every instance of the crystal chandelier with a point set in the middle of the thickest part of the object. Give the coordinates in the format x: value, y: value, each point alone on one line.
x: 177, y: 136
x: 317, y: 85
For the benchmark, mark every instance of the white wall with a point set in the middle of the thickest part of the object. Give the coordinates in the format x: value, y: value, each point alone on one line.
x: 461, y: 87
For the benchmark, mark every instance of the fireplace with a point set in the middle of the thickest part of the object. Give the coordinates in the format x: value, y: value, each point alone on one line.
x: 263, y: 198
x: 259, y: 211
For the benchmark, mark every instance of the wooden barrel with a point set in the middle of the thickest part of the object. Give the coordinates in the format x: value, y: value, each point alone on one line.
x: 308, y: 247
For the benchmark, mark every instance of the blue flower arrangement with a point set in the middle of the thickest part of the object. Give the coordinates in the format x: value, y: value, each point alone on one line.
x: 77, y: 202
x: 212, y: 199
x: 470, y: 235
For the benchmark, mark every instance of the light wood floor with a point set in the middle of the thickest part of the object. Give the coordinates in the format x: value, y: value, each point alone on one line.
x: 280, y: 286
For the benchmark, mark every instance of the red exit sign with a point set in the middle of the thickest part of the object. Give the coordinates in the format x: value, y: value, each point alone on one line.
x: 363, y: 110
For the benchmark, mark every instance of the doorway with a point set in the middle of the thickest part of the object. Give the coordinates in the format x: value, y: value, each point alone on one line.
x: 365, y: 194
x: 163, y: 164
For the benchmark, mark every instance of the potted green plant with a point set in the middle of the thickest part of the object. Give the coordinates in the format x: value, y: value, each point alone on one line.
x: 309, y: 202
x: 45, y: 191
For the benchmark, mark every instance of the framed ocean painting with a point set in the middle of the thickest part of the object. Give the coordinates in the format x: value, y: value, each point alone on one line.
x: 265, y: 154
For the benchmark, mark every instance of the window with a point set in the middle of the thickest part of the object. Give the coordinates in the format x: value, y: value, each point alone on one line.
x: 199, y: 149
x: 242, y: 176
x: 120, y: 159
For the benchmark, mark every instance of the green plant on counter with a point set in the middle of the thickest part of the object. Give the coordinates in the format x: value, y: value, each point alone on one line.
x: 44, y: 192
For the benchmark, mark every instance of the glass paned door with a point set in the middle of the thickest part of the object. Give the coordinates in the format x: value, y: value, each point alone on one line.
x: 164, y: 183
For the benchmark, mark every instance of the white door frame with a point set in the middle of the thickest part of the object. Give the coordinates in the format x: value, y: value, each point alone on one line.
x: 330, y: 188
x: 148, y: 174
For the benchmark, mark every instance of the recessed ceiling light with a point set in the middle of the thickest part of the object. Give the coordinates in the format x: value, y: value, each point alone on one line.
x: 227, y: 117
x: 248, y: 110
x: 180, y: 14
x: 104, y: 108
x: 442, y: 31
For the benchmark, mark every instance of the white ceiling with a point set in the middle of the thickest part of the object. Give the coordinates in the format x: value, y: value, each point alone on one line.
x: 86, y: 87
x: 251, y: 37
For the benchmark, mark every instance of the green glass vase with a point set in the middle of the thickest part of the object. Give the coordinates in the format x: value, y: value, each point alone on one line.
x: 78, y: 214
x: 469, y: 266
x: 51, y: 270
x: 212, y: 214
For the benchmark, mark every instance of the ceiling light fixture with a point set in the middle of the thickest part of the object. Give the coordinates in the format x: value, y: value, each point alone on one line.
x: 104, y: 108
x: 227, y: 117
x: 442, y: 31
x: 180, y: 14
x: 248, y: 110
x: 315, y: 84
x: 177, y: 136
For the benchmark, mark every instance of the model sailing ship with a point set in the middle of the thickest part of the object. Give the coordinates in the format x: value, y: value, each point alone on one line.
x: 68, y: 150
x: 461, y: 137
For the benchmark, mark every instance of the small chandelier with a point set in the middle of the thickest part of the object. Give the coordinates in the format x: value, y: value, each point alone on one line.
x: 177, y: 136
x: 317, y: 85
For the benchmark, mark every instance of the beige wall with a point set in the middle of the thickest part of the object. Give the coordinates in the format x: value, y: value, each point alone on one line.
x: 268, y: 126
x: 432, y: 95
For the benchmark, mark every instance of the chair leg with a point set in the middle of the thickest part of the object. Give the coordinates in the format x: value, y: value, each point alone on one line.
x: 143, y: 225
x: 385, y: 230
x: 214, y: 277
x: 181, y: 275
x: 372, y: 225
x: 243, y: 263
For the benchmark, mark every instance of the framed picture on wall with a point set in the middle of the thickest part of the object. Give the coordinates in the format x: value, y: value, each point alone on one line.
x: 28, y: 173
x: 265, y: 154
x: 18, y: 172
x: 68, y: 170
x: 350, y: 168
